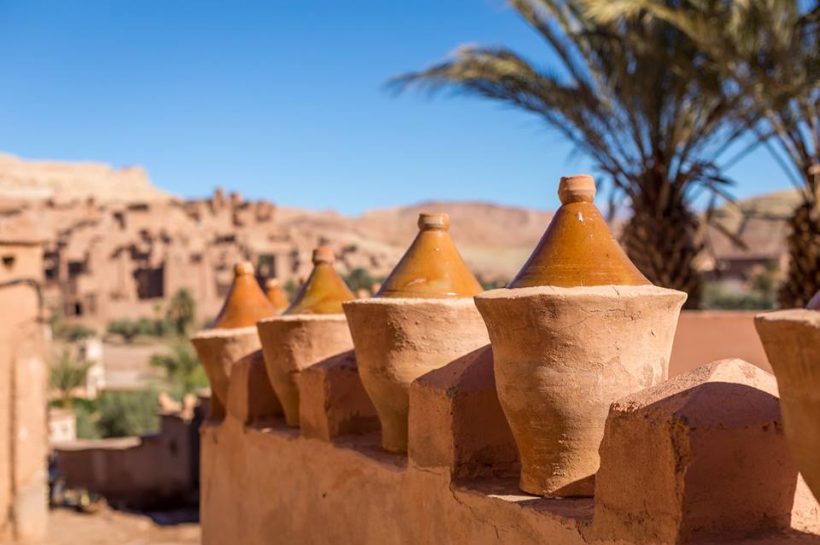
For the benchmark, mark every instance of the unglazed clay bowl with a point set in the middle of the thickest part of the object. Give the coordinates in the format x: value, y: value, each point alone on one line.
x: 291, y: 343
x: 561, y: 357
x: 791, y: 339
x: 218, y: 350
x: 397, y: 340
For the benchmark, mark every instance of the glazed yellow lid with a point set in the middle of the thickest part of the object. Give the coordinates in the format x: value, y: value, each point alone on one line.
x: 275, y: 294
x: 325, y: 291
x: 245, y: 304
x: 431, y: 268
x: 578, y: 249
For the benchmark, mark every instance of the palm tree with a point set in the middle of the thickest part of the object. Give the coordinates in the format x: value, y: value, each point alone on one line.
x: 182, y: 368
x: 767, y: 52
x: 181, y: 311
x: 67, y: 374
x: 626, y: 99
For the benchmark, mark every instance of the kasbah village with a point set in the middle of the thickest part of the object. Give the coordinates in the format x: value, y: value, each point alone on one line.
x: 635, y: 360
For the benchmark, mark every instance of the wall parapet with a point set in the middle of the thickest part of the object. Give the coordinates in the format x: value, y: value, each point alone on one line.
x: 263, y: 479
x: 302, y: 490
x: 571, y: 395
x: 264, y: 484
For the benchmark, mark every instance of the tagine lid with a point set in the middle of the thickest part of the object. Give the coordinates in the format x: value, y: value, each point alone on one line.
x: 325, y: 291
x: 432, y: 267
x: 578, y: 248
x: 275, y: 294
x: 245, y: 304
x: 814, y: 304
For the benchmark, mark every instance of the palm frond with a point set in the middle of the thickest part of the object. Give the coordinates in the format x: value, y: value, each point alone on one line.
x: 638, y: 95
x: 766, y: 54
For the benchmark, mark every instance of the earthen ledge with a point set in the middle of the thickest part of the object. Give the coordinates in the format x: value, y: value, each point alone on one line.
x: 412, y: 301
x: 224, y: 333
x: 332, y: 483
x: 795, y: 314
x: 629, y: 292
x: 339, y: 317
x: 570, y: 512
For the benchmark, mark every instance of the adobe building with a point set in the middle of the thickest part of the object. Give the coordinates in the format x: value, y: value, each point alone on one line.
x: 112, y: 260
x: 23, y: 382
x: 122, y: 260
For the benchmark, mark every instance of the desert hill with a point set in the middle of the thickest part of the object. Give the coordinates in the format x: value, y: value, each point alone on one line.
x: 494, y: 239
x: 760, y: 223
x: 23, y: 180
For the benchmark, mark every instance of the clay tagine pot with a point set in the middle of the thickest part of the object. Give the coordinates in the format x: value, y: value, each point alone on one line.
x: 422, y: 318
x: 578, y: 328
x: 245, y: 303
x: 791, y: 339
x: 232, y: 334
x: 313, y: 328
x: 276, y: 295
x: 431, y: 268
x: 578, y: 248
x: 324, y: 291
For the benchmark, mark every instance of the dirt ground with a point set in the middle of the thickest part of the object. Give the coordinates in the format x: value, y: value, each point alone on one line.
x: 109, y: 527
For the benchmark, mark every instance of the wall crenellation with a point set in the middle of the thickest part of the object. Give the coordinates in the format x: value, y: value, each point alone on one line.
x: 564, y: 428
x: 447, y: 478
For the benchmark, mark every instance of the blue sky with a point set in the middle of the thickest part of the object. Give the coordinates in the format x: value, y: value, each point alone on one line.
x: 281, y: 99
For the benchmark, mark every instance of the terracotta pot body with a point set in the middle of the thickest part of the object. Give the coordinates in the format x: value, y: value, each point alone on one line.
x: 218, y: 349
x: 398, y: 340
x: 792, y: 342
x: 292, y: 343
x: 561, y: 357
x: 325, y: 291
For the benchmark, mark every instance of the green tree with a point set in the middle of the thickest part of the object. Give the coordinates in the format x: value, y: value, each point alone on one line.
x: 147, y: 327
x: 291, y: 287
x: 78, y: 332
x: 69, y: 332
x: 766, y: 51
x: 85, y: 411
x: 127, y: 413
x: 127, y: 329
x: 360, y: 279
x: 654, y: 133
x: 67, y: 374
x: 181, y: 311
x: 182, y: 368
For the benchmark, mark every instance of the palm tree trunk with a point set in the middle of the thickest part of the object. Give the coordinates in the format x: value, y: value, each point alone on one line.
x: 803, y: 278
x: 663, y: 242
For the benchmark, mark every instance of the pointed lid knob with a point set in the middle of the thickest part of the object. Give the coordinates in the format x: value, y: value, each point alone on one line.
x: 325, y: 291
x: 578, y: 249
x: 431, y: 267
x: 814, y: 304
x: 275, y: 294
x: 245, y: 304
